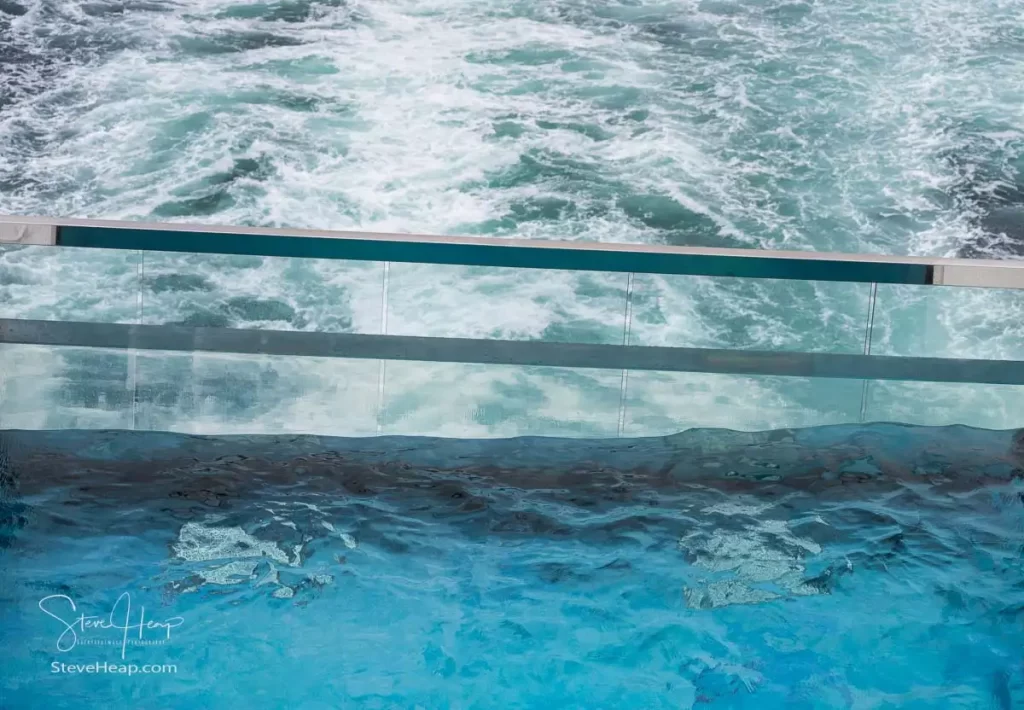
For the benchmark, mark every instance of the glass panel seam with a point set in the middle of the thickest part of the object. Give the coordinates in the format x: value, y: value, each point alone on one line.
x: 382, y: 369
x: 869, y: 327
x: 627, y: 323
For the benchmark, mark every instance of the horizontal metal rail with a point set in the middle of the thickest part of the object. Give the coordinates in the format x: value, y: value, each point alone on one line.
x: 503, y: 352
x: 535, y: 254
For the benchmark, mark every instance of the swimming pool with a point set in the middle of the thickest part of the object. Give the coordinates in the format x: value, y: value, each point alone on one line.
x: 834, y: 567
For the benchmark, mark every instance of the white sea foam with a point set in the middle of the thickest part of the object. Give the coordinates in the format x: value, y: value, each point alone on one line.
x: 846, y: 126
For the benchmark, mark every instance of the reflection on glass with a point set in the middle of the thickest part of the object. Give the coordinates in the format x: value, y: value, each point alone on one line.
x: 65, y: 388
x: 255, y: 292
x: 660, y: 403
x: 927, y: 321
x: 506, y: 304
x: 946, y: 403
x: 457, y: 400
x: 215, y: 393
x: 46, y: 283
x: 749, y: 314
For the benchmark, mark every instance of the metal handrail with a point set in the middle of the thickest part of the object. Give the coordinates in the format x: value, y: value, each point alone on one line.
x: 513, y: 253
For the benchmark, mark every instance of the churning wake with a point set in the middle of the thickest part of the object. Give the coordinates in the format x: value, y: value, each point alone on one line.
x: 830, y: 125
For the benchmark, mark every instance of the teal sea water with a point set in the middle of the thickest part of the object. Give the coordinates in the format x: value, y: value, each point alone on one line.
x: 832, y: 125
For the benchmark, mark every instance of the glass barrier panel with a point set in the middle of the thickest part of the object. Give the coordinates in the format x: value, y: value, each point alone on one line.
x: 506, y: 304
x: 43, y: 387
x: 220, y: 393
x: 928, y: 321
x: 49, y: 283
x: 749, y: 314
x: 976, y: 323
x: 662, y: 403
x: 65, y: 388
x: 256, y: 292
x: 945, y: 403
x: 485, y: 401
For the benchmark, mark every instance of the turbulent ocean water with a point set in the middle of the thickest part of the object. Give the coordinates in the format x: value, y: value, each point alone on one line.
x: 848, y: 126
x: 837, y: 567
x: 838, y: 125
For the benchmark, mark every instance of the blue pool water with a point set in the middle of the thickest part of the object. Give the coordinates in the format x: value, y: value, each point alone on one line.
x: 837, y: 567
